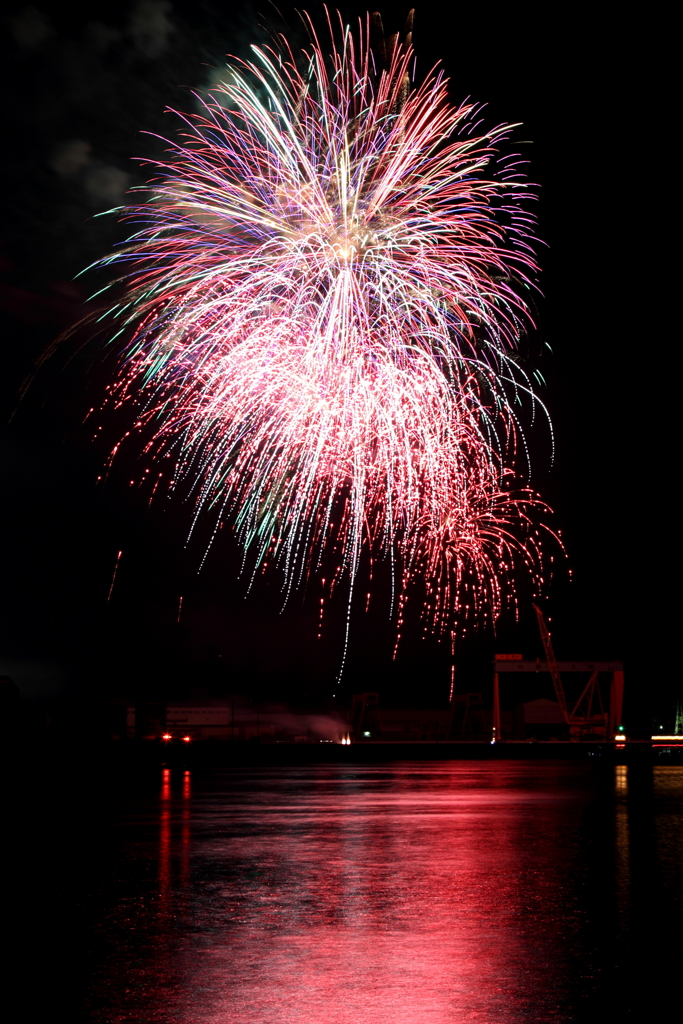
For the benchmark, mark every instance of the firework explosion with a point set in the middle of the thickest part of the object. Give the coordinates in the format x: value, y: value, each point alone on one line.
x: 322, y: 309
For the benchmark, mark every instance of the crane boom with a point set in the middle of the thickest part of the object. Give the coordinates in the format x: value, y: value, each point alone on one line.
x: 552, y: 663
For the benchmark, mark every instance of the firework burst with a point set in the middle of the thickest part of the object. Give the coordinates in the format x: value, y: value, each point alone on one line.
x: 323, y: 302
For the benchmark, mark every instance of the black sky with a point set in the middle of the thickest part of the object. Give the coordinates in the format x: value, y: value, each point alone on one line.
x: 80, y: 88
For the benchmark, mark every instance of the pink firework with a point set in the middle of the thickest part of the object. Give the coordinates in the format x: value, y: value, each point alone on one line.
x: 323, y: 305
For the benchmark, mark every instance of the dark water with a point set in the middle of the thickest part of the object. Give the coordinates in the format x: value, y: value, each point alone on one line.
x: 414, y: 893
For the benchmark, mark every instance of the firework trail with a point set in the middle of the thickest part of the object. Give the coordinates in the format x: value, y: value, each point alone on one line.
x: 113, y: 579
x: 324, y: 295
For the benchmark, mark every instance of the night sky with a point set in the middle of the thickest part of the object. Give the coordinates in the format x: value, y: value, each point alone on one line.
x: 81, y: 88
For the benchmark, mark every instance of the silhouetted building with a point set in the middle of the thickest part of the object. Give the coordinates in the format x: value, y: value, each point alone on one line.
x: 232, y: 718
x: 463, y: 719
x: 541, y: 719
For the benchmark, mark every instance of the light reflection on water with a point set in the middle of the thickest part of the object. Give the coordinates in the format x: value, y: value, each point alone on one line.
x: 405, y: 894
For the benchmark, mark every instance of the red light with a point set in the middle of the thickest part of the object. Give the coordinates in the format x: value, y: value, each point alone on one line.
x: 186, y: 739
x: 167, y: 736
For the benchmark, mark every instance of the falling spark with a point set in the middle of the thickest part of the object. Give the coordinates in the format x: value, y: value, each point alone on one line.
x: 113, y: 579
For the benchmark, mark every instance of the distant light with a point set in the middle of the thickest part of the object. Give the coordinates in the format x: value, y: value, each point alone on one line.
x: 366, y: 733
x: 659, y: 736
x: 167, y: 736
x: 186, y: 739
x: 620, y: 737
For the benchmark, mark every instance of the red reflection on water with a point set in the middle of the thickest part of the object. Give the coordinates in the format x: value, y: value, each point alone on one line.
x: 165, y: 833
x: 410, y: 897
x: 185, y: 833
x: 174, y: 841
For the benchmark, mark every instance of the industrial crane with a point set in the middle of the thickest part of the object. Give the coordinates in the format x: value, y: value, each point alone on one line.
x: 580, y: 719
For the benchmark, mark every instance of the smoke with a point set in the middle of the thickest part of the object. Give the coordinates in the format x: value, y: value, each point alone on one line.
x: 105, y: 184
x: 101, y: 36
x: 85, y: 84
x: 30, y: 28
x: 150, y: 26
x: 69, y: 158
x: 102, y: 183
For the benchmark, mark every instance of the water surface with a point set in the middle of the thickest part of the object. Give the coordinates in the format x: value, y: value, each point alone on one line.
x: 412, y: 893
